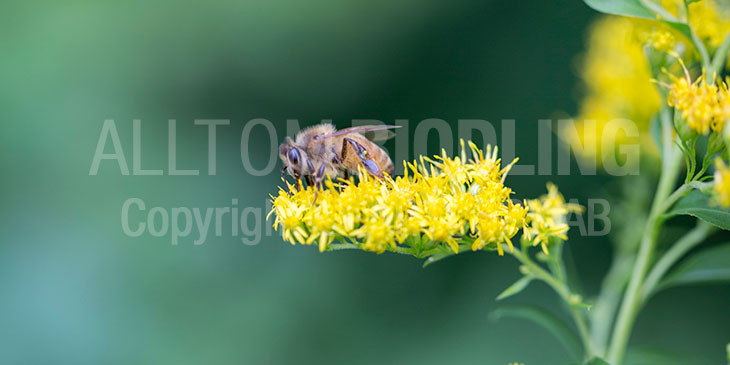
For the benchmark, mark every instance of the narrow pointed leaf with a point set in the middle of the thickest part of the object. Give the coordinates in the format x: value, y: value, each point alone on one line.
x: 707, y: 266
x: 621, y: 7
x: 649, y: 355
x: 635, y: 8
x: 565, y: 334
x: 516, y: 287
x: 596, y: 361
x: 437, y: 257
x: 698, y: 204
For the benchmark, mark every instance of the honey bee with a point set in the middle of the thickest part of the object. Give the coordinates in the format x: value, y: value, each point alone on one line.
x: 322, y: 150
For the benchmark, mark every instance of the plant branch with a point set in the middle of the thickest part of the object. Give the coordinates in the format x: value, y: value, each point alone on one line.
x: 560, y: 287
x: 670, y: 200
x: 679, y: 249
x: 718, y: 61
x: 704, y: 55
x: 630, y: 304
x: 605, y: 305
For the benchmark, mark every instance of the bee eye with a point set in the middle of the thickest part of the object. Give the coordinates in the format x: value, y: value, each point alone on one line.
x: 293, y: 156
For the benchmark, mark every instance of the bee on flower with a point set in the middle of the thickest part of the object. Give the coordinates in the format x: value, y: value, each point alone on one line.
x: 440, y: 205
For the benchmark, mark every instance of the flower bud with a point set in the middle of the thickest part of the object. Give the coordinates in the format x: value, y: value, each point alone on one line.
x: 575, y: 299
x: 684, y: 131
x: 715, y: 144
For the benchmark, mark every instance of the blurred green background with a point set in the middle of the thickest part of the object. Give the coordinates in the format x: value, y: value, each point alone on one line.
x: 75, y: 289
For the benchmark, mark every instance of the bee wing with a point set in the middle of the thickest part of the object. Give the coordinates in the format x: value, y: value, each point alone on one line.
x: 365, y: 129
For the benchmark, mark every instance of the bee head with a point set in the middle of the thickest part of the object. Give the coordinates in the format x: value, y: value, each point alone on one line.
x: 293, y: 157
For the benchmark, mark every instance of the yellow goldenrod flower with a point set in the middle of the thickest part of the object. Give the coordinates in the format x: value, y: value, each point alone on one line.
x: 441, y: 205
x: 721, y: 189
x: 616, y: 77
x: 377, y: 231
x: 616, y: 72
x: 662, y: 40
x: 547, y: 217
x: 710, y: 20
x: 704, y: 105
x: 289, y: 216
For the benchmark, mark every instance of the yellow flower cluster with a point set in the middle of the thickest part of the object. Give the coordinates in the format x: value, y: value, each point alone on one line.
x: 547, y: 216
x: 709, y: 19
x: 616, y: 76
x: 662, y: 40
x: 704, y: 105
x: 616, y: 73
x: 721, y: 188
x: 440, y: 205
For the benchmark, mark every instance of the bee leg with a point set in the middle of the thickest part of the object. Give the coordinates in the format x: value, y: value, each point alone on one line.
x: 298, y: 179
x: 362, y: 153
x: 310, y: 166
x: 318, y: 182
x: 310, y: 176
x: 283, y: 177
x: 336, y: 160
x: 319, y: 178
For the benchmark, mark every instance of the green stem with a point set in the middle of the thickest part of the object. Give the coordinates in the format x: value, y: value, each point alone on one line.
x: 631, y: 302
x: 704, y: 55
x: 342, y: 246
x: 705, y: 165
x: 564, y: 292
x: 605, y: 306
x: 555, y: 261
x: 670, y: 200
x: 702, y: 186
x: 679, y: 249
x: 718, y: 62
x: 691, y: 149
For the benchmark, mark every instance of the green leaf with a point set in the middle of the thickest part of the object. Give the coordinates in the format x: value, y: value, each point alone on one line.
x: 554, y: 325
x: 706, y: 266
x: 621, y: 7
x: 647, y: 355
x: 437, y: 257
x: 698, y: 205
x: 515, y: 288
x: 342, y: 246
x: 592, y: 361
x: 596, y: 361
x: 637, y: 9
